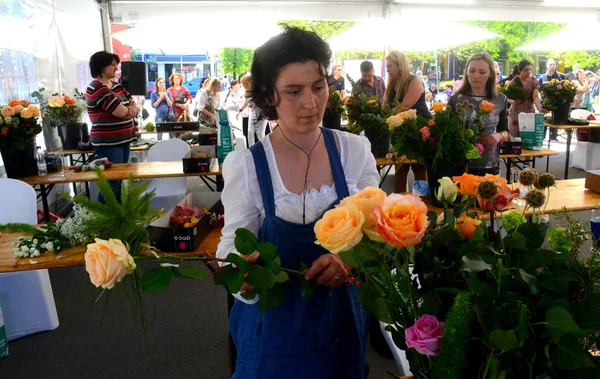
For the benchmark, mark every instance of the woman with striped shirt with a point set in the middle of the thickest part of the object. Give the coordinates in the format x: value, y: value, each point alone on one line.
x: 111, y: 110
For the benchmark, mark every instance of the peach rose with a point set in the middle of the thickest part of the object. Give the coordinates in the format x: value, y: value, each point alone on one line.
x: 8, y: 111
x: 35, y: 110
x: 486, y: 106
x: 26, y: 113
x: 467, y: 184
x: 401, y: 220
x: 425, y: 133
x: 18, y: 108
x: 467, y: 225
x: 340, y: 228
x: 365, y: 201
x: 8, y: 119
x: 108, y: 262
x: 14, y: 103
x: 25, y: 103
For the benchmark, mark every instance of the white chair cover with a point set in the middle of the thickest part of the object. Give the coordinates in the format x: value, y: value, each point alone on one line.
x: 169, y: 191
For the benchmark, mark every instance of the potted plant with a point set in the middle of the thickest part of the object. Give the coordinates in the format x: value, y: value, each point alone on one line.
x: 444, y: 144
x: 18, y: 127
x: 332, y: 119
x: 64, y: 113
x: 558, y: 96
x: 465, y: 300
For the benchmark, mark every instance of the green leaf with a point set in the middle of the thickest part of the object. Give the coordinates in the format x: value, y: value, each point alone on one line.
x: 267, y: 250
x: 449, y: 217
x: 530, y: 280
x: 260, y: 277
x: 306, y: 289
x: 250, y: 295
x: 361, y: 253
x: 432, y: 216
x: 189, y: 272
x: 479, y: 287
x: 522, y: 318
x: 274, y: 267
x: 589, y: 313
x: 535, y: 258
x: 244, y: 234
x: 221, y: 275
x: 234, y: 279
x: 461, y: 208
x: 569, y: 355
x: 559, y: 322
x: 271, y: 298
x: 374, y: 304
x: 505, y: 340
x: 517, y: 241
x: 558, y: 280
x: 238, y: 261
x: 245, y: 241
x: 536, y: 234
x: 282, y: 277
x: 472, y: 262
x: 156, y: 279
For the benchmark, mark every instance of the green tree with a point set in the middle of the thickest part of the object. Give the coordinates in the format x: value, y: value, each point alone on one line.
x: 236, y: 61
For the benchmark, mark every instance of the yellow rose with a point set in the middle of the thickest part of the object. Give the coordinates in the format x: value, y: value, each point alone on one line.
x: 108, y: 262
x: 401, y: 220
x: 26, y: 113
x: 365, y: 201
x: 411, y: 114
x: 35, y: 110
x: 18, y: 108
x: 340, y: 228
x: 396, y: 120
x: 8, y: 111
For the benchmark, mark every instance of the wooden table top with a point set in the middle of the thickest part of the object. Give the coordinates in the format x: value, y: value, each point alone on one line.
x: 141, y: 170
x: 593, y: 124
x: 526, y: 153
x: 178, y: 131
x: 74, y: 255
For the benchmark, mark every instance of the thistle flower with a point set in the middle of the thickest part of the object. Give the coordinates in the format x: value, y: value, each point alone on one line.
x: 528, y: 176
x: 535, y: 198
x: 544, y: 181
x: 487, y: 190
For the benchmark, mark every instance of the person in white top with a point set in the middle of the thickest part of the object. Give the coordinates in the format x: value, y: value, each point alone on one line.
x: 232, y: 101
x: 278, y: 189
x: 208, y: 100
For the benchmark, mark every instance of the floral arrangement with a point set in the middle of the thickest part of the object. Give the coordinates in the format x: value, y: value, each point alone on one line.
x: 61, y: 109
x: 365, y: 112
x: 18, y: 125
x: 465, y: 300
x: 447, y: 137
x: 335, y: 103
x: 558, y: 93
x: 512, y: 91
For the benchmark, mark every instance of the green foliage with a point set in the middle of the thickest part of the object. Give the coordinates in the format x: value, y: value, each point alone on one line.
x: 324, y: 29
x: 13, y: 227
x: 335, y: 105
x: 236, y: 61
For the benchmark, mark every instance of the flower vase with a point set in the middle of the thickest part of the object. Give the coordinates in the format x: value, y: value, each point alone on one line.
x: 332, y: 121
x: 20, y: 163
x: 51, y: 138
x: 380, y: 141
x: 442, y: 169
x: 70, y: 136
x: 560, y: 115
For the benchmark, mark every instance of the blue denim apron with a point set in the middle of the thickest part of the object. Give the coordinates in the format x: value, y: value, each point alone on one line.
x: 324, y: 337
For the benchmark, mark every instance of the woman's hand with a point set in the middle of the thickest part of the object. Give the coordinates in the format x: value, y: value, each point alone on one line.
x: 491, y: 140
x: 517, y: 102
x: 544, y: 111
x: 329, y: 270
x: 250, y: 259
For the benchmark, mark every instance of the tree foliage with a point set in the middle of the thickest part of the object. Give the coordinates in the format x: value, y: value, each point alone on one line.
x: 236, y: 61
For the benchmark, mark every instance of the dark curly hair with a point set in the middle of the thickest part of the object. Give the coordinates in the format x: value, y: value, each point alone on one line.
x: 293, y: 45
x: 100, y: 60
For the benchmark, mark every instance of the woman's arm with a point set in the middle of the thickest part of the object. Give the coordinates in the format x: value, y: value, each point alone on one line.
x: 188, y: 95
x: 169, y: 99
x: 415, y: 90
x: 237, y: 116
x: 155, y: 100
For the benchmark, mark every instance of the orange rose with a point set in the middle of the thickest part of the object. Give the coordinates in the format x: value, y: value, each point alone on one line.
x: 340, y: 228
x: 467, y: 183
x: 425, y: 133
x: 486, y: 106
x: 108, y: 262
x: 496, y: 179
x: 5, y: 132
x: 365, y: 201
x: 14, y: 103
x: 25, y: 103
x: 35, y: 110
x: 431, y: 122
x: 467, y: 225
x: 69, y: 100
x: 18, y: 108
x: 401, y: 220
x: 438, y: 107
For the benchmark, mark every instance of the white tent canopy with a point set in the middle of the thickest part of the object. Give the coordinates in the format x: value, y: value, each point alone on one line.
x: 572, y: 37
x: 402, y: 33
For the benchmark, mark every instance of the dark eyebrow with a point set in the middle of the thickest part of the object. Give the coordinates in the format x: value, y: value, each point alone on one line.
x: 300, y: 86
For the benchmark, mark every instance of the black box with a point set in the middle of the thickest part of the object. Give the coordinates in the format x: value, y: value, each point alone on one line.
x: 169, y: 239
x: 191, y: 165
x: 173, y: 126
x: 207, y: 139
x: 511, y: 147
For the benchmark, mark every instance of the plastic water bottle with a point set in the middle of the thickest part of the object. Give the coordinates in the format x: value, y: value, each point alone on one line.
x: 41, y: 163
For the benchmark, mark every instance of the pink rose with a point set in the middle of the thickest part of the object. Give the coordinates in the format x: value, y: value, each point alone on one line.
x: 425, y: 133
x: 480, y: 148
x: 425, y: 335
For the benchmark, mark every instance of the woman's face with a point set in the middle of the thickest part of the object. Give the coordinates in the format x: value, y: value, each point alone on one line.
x: 177, y: 80
x: 392, y: 69
x: 110, y: 71
x: 526, y: 72
x: 215, y: 87
x: 235, y: 88
x: 160, y: 84
x: 478, y: 73
x: 301, y: 96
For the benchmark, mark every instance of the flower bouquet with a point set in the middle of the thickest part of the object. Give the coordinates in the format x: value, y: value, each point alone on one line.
x: 512, y: 91
x: 558, y: 93
x: 468, y: 301
x: 334, y: 110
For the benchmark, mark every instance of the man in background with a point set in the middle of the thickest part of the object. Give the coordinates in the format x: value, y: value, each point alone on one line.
x: 336, y: 80
x: 369, y: 83
x: 550, y: 74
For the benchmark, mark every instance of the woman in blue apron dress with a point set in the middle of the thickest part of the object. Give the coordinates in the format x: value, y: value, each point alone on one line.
x: 325, y: 336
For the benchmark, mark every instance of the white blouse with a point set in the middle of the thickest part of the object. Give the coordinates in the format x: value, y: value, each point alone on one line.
x: 242, y: 199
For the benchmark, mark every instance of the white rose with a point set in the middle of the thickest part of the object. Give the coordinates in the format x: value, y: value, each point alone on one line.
x: 50, y: 246
x: 447, y: 191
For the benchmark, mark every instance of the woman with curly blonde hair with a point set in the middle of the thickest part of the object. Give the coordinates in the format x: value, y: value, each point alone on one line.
x: 403, y: 89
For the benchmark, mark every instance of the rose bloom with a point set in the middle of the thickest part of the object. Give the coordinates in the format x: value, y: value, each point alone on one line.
x: 18, y: 108
x: 8, y: 119
x: 396, y: 120
x: 365, y: 201
x: 467, y: 225
x: 25, y: 103
x: 447, y: 191
x: 480, y: 148
x: 425, y: 133
x: 401, y: 220
x: 69, y: 100
x: 35, y: 110
x: 27, y: 113
x: 467, y: 184
x: 438, y: 107
x: 340, y: 228
x: 486, y: 106
x: 431, y: 122
x: 5, y: 132
x: 8, y: 111
x: 108, y: 262
x: 425, y: 335
x: 14, y: 103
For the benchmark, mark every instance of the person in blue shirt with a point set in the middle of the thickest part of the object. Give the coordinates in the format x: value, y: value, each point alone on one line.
x: 161, y: 101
